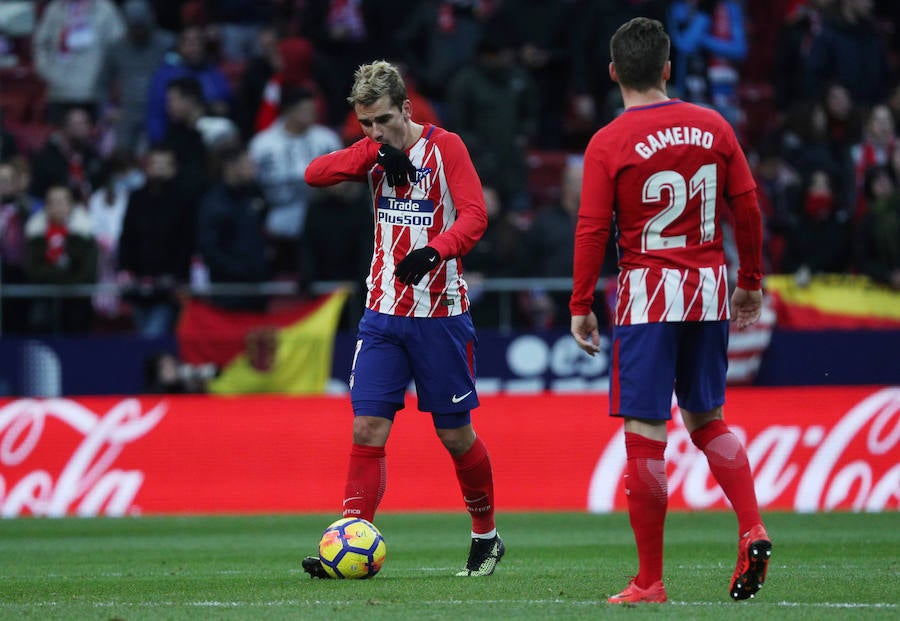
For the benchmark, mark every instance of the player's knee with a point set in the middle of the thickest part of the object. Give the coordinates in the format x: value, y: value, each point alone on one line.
x: 457, y: 440
x: 372, y: 422
x: 696, y: 420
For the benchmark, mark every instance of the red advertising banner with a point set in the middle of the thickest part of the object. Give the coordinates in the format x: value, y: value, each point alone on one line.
x: 812, y: 449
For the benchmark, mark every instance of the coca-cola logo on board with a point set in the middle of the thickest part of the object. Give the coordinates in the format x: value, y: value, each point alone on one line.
x: 86, y: 483
x: 818, y: 469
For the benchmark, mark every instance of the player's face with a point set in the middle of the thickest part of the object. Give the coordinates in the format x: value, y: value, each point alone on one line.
x: 384, y: 122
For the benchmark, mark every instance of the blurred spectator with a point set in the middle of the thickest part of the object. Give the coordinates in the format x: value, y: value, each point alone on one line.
x: 129, y: 65
x: 496, y: 255
x: 806, y: 144
x: 230, y: 235
x: 850, y: 50
x: 708, y: 41
x: 156, y: 245
x: 8, y: 146
x: 281, y: 154
x: 548, y: 247
x: 878, y: 239
x: 542, y: 33
x: 187, y: 110
x: 68, y: 157
x: 258, y: 70
x: 165, y: 374
x: 802, y: 24
x: 492, y: 105
x: 16, y: 207
x: 190, y: 60
x: 184, y: 105
x: 337, y: 243
x: 780, y: 192
x: 843, y: 117
x: 341, y: 36
x: 893, y: 102
x: 437, y: 39
x: 106, y: 207
x: 876, y: 149
x: 292, y: 69
x: 70, y: 41
x: 60, y: 250
x: 597, y: 21
x: 820, y: 243
x: 238, y: 23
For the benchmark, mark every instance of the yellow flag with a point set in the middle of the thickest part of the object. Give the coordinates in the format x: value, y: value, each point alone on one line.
x: 302, y: 357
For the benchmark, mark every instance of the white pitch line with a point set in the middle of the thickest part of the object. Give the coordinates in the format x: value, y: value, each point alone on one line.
x: 445, y: 602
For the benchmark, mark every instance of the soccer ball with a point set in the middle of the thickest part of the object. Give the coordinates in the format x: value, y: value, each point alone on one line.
x: 352, y: 548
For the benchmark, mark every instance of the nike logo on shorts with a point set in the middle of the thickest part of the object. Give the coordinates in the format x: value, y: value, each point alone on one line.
x: 456, y: 399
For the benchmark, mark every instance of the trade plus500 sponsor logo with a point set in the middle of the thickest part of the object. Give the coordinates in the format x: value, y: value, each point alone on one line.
x: 405, y: 211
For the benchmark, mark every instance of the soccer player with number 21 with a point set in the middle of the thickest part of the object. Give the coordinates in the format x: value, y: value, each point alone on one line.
x: 429, y: 211
x: 664, y: 171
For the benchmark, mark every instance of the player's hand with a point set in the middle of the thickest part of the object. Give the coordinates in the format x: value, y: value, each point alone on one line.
x: 584, y: 329
x: 746, y: 307
x: 416, y: 264
x: 397, y: 168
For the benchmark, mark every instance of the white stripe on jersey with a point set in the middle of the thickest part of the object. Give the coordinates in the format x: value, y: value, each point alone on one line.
x: 708, y: 295
x: 638, y: 300
x: 442, y: 291
x: 637, y: 287
x: 674, y: 287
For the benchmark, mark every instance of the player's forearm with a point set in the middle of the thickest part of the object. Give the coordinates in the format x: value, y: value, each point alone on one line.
x: 748, y: 236
x: 460, y: 238
x: 468, y: 198
x: 590, y: 249
x: 349, y: 164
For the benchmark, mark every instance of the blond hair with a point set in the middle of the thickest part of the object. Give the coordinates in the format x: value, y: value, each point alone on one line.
x: 373, y: 81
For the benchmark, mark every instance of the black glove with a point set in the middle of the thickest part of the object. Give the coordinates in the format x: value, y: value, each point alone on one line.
x: 397, y: 167
x: 416, y: 264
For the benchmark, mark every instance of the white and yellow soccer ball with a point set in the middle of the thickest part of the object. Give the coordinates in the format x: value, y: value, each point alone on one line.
x: 352, y: 548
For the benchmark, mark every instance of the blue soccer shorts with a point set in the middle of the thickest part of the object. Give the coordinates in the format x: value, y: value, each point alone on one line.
x: 438, y: 353
x: 650, y: 359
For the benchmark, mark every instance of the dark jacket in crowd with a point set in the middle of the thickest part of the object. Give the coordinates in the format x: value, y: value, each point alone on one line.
x: 157, y: 232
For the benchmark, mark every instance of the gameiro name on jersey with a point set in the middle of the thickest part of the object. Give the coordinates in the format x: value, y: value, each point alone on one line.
x: 665, y: 174
x: 443, y: 208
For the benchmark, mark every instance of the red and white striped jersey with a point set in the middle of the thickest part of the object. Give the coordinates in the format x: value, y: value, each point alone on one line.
x: 444, y: 208
x: 663, y: 173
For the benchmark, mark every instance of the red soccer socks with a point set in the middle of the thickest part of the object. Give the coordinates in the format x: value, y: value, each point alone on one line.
x: 731, y: 470
x: 476, y: 481
x: 366, y: 479
x: 647, y: 490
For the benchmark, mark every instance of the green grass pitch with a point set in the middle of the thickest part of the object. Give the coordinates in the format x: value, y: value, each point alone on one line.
x: 558, y: 566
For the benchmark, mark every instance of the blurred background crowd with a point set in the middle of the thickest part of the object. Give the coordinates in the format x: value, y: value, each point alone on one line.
x: 149, y: 145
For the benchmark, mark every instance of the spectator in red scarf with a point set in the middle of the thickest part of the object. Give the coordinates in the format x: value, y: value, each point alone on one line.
x: 60, y: 250
x: 820, y: 243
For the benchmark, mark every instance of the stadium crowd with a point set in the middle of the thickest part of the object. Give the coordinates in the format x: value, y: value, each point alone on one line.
x: 153, y: 144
